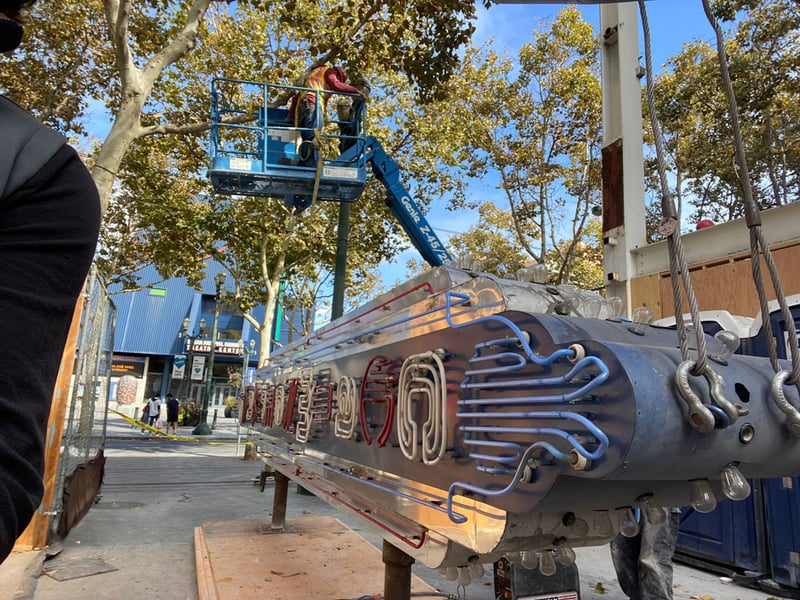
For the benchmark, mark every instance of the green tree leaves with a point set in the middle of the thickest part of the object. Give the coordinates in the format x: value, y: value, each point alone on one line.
x: 536, y: 123
x: 763, y: 60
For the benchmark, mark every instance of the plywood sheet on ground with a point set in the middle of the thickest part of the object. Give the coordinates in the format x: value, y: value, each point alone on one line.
x: 315, y: 557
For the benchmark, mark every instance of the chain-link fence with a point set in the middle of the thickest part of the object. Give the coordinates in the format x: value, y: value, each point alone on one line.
x: 84, y: 433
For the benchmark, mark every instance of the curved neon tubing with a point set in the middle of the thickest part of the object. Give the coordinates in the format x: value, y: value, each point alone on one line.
x: 535, y: 358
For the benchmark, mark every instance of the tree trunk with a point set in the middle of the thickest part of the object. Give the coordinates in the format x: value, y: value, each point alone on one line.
x: 124, y: 131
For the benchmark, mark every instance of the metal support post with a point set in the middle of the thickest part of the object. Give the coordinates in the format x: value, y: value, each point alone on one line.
x: 340, y: 269
x: 202, y: 427
x: 280, y: 495
x: 188, y: 345
x: 623, y: 161
x: 397, y: 575
x: 246, y: 349
x: 266, y: 473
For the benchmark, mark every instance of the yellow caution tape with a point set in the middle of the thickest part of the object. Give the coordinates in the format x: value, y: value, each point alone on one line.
x: 157, y: 431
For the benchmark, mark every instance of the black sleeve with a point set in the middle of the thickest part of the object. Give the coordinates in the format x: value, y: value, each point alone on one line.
x: 48, y: 235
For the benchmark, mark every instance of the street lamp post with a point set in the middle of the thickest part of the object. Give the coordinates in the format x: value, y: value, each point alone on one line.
x: 189, y: 346
x: 246, y: 350
x: 202, y: 427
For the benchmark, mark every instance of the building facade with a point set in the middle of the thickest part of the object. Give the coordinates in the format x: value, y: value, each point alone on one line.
x: 162, y: 343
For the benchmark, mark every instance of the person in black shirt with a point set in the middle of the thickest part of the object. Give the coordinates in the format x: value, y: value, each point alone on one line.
x: 173, y: 408
x: 49, y: 223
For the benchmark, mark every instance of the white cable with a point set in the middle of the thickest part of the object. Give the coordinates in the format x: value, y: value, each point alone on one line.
x: 346, y: 408
x: 422, y: 379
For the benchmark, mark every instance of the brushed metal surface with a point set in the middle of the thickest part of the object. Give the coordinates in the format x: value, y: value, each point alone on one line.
x: 468, y: 415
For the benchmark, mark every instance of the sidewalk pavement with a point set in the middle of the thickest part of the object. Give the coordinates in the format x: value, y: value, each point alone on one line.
x: 137, y: 541
x: 19, y: 573
x: 223, y: 428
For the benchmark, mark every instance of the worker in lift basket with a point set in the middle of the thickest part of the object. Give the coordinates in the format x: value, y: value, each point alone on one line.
x: 303, y: 110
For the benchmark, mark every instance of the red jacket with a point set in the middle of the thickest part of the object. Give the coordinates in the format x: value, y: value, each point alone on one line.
x: 322, y: 78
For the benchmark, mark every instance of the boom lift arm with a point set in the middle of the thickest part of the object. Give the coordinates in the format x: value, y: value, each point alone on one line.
x: 403, y: 207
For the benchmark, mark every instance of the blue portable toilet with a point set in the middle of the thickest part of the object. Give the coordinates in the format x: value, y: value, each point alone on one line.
x: 714, y: 321
x: 732, y: 536
x: 782, y: 499
x: 757, y: 337
x: 781, y: 496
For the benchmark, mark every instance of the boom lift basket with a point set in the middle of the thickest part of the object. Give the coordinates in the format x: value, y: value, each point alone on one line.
x: 255, y: 145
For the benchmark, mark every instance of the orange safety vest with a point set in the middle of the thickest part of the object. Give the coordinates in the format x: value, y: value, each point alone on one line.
x: 316, y: 80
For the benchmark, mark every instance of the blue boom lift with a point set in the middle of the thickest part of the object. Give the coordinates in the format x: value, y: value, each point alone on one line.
x: 254, y: 152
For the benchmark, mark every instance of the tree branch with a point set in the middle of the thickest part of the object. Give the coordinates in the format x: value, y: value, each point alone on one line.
x: 169, y: 128
x: 335, y: 50
x: 117, y: 15
x: 182, y: 43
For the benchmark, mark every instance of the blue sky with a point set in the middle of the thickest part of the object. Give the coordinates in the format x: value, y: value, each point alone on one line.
x: 673, y: 23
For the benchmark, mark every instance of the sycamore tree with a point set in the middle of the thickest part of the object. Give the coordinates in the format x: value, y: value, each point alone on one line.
x: 147, y: 64
x: 307, y: 296
x: 131, y: 56
x: 534, y: 124
x: 763, y: 54
x: 586, y: 254
x: 491, y: 243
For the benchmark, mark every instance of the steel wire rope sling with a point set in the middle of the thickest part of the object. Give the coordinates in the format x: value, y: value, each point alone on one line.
x: 758, y: 241
x: 317, y: 143
x: 701, y: 417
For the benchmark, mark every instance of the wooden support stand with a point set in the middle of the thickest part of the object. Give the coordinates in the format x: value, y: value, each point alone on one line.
x: 397, y: 575
x: 312, y: 557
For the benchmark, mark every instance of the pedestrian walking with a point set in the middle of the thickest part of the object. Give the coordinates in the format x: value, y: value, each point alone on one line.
x: 154, y: 410
x: 173, y: 408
